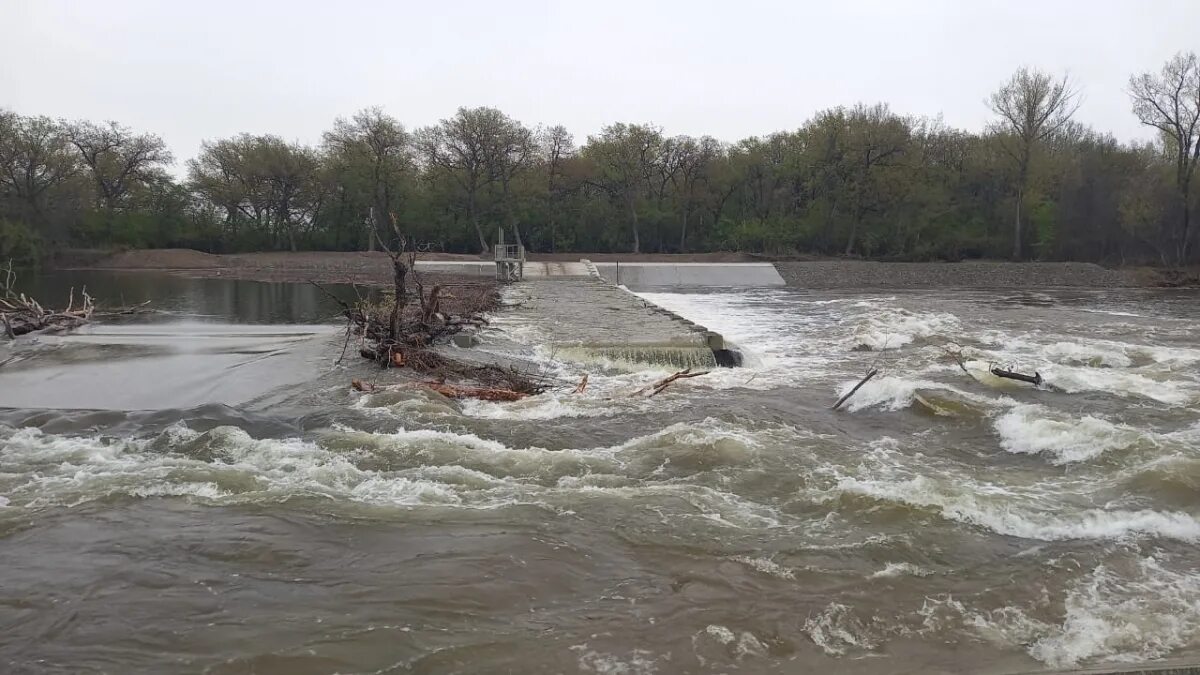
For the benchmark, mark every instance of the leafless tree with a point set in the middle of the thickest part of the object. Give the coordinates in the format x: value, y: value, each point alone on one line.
x: 1032, y: 106
x: 378, y: 142
x: 118, y: 158
x: 557, y: 147
x: 511, y: 151
x: 625, y: 155
x: 35, y: 157
x: 1170, y: 102
x: 460, y: 147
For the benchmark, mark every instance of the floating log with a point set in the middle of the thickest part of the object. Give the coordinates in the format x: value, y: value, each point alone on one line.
x: 1034, y: 379
x: 873, y: 373
x: 481, y: 393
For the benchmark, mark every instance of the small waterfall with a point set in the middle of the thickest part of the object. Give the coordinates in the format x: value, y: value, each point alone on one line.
x: 678, y: 356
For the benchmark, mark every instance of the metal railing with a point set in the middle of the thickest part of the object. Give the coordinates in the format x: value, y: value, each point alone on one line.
x: 510, y: 252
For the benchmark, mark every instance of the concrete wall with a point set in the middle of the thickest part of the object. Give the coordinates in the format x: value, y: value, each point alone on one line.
x: 647, y: 274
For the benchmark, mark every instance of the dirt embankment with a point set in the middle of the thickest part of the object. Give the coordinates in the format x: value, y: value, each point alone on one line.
x: 376, y: 269
x: 324, y: 267
x: 357, y: 267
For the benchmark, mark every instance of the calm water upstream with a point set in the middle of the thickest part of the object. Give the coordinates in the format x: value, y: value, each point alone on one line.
x: 940, y: 523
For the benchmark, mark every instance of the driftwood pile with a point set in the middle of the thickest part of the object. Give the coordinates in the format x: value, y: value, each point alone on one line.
x: 21, y: 314
x: 399, y: 330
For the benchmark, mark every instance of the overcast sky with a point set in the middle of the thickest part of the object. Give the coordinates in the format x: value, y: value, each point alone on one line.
x: 202, y: 70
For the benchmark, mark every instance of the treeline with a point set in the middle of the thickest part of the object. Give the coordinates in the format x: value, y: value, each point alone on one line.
x: 859, y: 181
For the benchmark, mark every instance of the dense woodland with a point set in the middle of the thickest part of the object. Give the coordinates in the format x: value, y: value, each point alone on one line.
x: 862, y: 181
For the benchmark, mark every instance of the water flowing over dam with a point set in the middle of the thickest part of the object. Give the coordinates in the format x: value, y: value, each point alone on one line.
x: 940, y: 522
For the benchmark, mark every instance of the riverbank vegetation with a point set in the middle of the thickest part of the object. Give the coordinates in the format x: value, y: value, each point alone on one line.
x: 863, y: 180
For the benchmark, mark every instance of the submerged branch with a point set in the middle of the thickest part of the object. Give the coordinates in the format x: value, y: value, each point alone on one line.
x: 840, y: 401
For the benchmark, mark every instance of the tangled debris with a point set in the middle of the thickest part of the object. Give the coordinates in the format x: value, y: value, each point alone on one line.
x: 399, y: 330
x: 21, y: 314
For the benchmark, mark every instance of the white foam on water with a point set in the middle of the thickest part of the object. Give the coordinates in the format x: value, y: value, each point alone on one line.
x: 900, y: 569
x: 893, y: 328
x: 1109, y: 312
x: 404, y: 468
x: 1032, y: 512
x: 721, y: 634
x: 721, y: 643
x: 1035, y: 429
x: 777, y: 346
x: 1114, y: 618
x: 892, y: 393
x: 1088, y: 354
x: 636, y: 662
x: 1107, y: 617
x: 765, y: 566
x: 837, y: 630
x: 1161, y: 373
x: 1073, y: 379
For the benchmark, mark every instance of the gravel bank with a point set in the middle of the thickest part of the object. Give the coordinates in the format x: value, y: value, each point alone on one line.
x: 864, y: 274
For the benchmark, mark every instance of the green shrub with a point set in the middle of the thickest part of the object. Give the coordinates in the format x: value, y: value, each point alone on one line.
x: 19, y: 243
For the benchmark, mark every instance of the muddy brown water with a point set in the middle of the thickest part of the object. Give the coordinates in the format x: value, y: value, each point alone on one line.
x: 940, y: 523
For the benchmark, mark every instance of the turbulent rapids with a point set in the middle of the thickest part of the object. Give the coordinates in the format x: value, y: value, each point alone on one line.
x: 941, y: 521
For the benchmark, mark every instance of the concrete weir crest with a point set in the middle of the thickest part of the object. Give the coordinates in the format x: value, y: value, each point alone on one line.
x: 588, y: 318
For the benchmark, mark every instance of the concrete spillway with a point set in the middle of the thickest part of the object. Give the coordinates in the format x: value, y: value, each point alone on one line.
x: 632, y: 274
x: 593, y: 321
x: 588, y: 315
x: 645, y: 274
x: 487, y: 268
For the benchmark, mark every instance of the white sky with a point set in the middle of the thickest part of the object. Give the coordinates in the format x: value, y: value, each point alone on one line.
x: 201, y: 70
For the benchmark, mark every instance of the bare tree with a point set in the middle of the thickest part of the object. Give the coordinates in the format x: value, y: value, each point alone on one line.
x: 1032, y: 106
x: 557, y: 147
x: 1170, y: 102
x: 118, y: 158
x: 460, y: 146
x: 694, y: 158
x: 511, y: 150
x: 35, y: 157
x: 378, y: 142
x: 875, y: 140
x: 625, y: 155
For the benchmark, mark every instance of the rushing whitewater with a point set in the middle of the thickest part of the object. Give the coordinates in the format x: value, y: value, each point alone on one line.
x: 942, y: 521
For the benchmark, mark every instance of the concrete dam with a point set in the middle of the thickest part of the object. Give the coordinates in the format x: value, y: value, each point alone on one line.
x: 592, y: 317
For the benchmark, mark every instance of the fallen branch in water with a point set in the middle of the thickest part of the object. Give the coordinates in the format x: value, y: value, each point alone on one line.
x: 1034, y: 379
x: 481, y: 393
x: 582, y: 386
x: 873, y: 373
x: 658, y: 387
x: 131, y: 310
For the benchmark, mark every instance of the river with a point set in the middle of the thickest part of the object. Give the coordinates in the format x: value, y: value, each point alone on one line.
x: 943, y: 521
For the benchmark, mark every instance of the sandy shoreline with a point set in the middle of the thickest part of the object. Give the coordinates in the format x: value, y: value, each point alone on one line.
x: 375, y: 269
